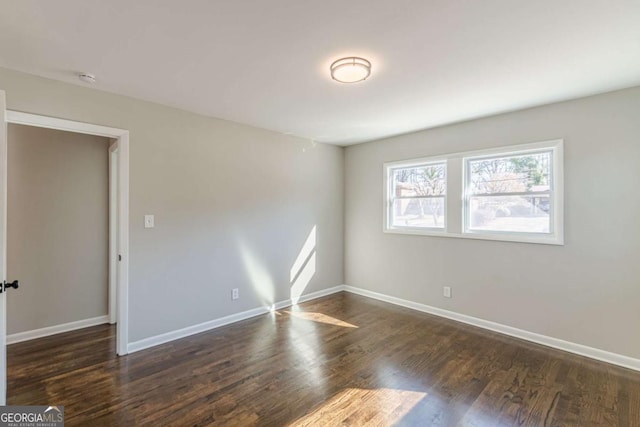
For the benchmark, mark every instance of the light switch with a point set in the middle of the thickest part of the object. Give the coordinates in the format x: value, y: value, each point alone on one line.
x: 149, y: 221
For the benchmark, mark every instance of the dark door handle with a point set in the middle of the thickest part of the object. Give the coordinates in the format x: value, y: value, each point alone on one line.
x: 15, y: 285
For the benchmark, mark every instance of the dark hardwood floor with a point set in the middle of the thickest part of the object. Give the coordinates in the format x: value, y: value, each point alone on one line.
x: 339, y: 360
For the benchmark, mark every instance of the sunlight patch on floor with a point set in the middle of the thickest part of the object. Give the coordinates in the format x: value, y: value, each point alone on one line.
x: 321, y: 318
x: 356, y: 406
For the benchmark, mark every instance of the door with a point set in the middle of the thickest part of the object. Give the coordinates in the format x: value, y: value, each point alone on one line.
x: 3, y: 249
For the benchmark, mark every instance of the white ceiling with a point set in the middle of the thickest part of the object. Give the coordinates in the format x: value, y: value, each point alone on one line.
x: 265, y: 63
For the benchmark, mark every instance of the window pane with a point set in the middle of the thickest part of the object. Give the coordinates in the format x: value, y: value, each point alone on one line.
x: 427, y: 180
x: 528, y: 214
x: 512, y: 174
x: 426, y: 213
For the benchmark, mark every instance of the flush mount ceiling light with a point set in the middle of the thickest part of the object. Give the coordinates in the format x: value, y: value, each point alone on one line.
x: 350, y: 70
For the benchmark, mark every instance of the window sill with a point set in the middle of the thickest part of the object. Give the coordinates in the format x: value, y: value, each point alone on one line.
x: 540, y: 240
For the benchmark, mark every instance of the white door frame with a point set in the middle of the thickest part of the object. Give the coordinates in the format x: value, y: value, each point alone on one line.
x: 3, y: 251
x: 118, y: 211
x: 113, y: 231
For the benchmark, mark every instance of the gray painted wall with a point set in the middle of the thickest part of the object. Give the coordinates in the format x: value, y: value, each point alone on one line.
x: 233, y: 204
x: 585, y: 292
x: 57, y: 227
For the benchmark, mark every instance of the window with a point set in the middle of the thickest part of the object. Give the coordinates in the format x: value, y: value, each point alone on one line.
x: 417, y: 196
x: 510, y: 193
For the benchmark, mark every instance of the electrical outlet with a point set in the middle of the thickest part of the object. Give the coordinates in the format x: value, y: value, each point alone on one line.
x: 446, y: 291
x: 235, y: 293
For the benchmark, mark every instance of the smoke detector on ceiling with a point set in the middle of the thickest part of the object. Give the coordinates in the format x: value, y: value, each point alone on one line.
x: 87, y: 78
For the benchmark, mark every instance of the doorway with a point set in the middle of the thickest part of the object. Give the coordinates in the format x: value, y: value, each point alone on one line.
x: 118, y: 222
x: 57, y: 232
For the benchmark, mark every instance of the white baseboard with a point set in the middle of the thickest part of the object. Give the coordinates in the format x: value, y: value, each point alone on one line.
x: 56, y: 329
x: 222, y: 321
x: 582, y: 350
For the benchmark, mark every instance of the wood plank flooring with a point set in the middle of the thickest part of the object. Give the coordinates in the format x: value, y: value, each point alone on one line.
x: 340, y: 360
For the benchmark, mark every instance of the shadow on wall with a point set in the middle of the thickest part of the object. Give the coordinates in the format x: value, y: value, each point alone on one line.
x: 304, y: 267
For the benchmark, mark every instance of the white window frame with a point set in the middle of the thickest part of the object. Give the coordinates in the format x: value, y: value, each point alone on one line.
x: 555, y: 193
x: 389, y: 169
x: 456, y: 198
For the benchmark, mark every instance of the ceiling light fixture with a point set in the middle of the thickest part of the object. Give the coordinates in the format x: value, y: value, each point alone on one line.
x: 350, y: 70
